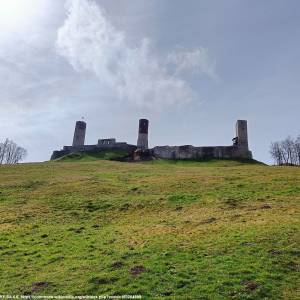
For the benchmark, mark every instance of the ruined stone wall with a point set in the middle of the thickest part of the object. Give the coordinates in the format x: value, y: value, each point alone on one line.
x: 165, y: 152
x: 191, y: 152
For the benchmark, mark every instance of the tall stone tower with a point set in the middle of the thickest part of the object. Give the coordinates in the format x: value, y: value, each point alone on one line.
x: 142, y: 142
x: 242, y: 134
x: 79, y: 134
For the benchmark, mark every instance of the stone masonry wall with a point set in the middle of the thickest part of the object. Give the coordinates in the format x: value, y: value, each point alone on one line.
x: 191, y: 152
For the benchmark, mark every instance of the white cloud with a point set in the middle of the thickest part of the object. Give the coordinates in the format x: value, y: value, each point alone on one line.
x: 91, y: 43
x: 197, y: 60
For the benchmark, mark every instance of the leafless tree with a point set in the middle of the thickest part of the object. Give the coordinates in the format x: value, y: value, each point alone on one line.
x: 286, y: 152
x: 11, y: 153
x: 297, y: 149
x: 287, y: 146
x: 3, y: 147
x: 276, y: 153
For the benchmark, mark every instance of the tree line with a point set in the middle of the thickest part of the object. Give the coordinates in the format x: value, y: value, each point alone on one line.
x: 286, y: 152
x: 11, y: 153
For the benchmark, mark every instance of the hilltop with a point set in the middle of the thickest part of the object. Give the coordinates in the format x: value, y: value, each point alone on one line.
x: 218, y: 229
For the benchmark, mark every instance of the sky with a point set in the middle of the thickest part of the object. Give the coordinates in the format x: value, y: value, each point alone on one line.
x: 191, y: 67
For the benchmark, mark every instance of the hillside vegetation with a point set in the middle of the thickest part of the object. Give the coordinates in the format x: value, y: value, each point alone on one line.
x: 102, y: 155
x: 169, y: 230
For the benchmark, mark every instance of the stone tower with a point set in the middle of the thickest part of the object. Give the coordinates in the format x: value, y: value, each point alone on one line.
x: 142, y: 142
x: 79, y: 134
x: 242, y: 134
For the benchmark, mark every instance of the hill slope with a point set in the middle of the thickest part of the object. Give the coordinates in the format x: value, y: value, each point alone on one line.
x: 186, y: 230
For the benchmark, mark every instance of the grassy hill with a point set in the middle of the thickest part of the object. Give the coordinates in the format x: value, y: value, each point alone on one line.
x: 171, y: 230
x: 92, y: 156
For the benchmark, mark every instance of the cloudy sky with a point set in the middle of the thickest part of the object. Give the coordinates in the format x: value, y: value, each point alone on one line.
x: 191, y: 67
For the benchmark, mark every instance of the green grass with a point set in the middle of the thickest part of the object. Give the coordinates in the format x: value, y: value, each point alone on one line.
x: 92, y: 156
x: 163, y: 229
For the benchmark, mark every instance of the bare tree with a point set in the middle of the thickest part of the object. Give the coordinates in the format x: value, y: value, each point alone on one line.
x: 297, y: 149
x: 3, y: 148
x: 286, y: 151
x: 276, y: 153
x: 11, y: 153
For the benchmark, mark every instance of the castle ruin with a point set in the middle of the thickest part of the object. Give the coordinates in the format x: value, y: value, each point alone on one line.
x: 238, y: 149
